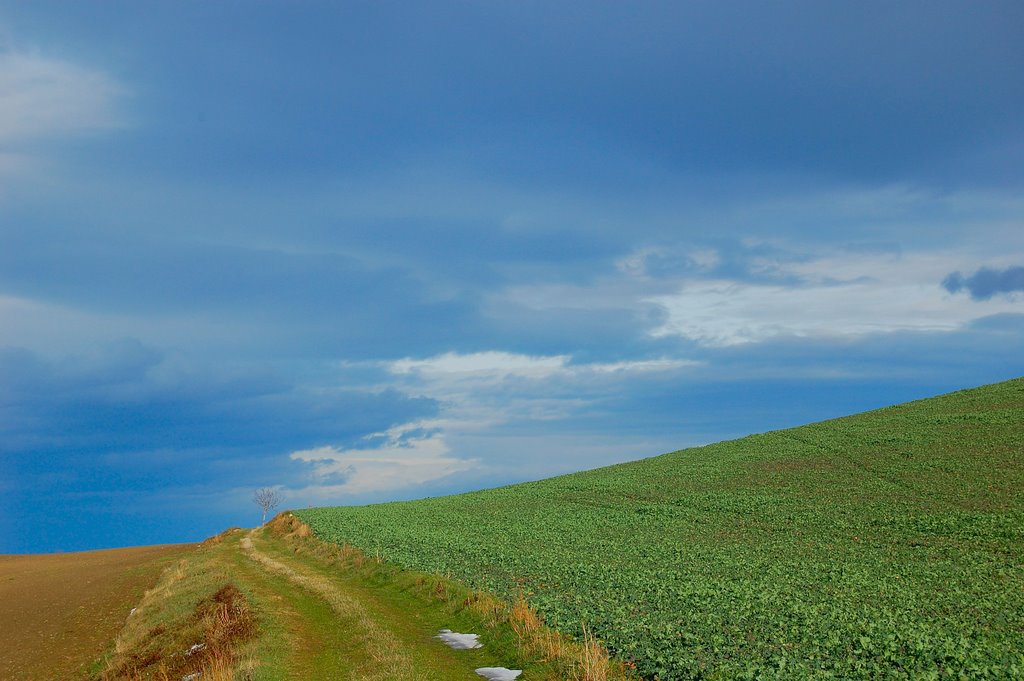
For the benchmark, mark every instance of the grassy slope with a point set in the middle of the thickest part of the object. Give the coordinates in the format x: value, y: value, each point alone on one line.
x: 58, y: 611
x: 888, y: 543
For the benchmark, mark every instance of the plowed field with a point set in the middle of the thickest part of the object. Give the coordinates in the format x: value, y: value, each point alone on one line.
x: 58, y: 612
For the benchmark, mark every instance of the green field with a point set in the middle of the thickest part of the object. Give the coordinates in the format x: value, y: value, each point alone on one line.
x: 888, y: 544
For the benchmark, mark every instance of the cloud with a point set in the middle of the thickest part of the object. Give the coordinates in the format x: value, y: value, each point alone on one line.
x: 407, y: 458
x: 132, y: 414
x: 491, y: 364
x: 986, y: 282
x: 839, y: 296
x: 42, y: 97
x: 488, y: 401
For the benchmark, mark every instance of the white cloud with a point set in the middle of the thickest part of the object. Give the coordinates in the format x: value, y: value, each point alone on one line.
x: 484, y: 391
x: 635, y: 264
x: 483, y: 397
x: 839, y: 296
x: 44, y: 97
x: 453, y: 372
x: 400, y: 462
x: 639, y: 366
x: 491, y: 364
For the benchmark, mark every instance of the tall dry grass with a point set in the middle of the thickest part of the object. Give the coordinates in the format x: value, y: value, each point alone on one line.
x: 201, y: 643
x: 584, y: 660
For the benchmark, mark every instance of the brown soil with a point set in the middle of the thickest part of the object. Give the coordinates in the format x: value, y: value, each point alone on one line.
x: 59, y: 612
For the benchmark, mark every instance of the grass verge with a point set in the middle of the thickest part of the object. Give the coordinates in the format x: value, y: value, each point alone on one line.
x: 195, y: 623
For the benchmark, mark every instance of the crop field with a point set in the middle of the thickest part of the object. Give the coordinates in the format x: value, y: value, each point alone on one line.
x: 58, y: 612
x: 888, y: 544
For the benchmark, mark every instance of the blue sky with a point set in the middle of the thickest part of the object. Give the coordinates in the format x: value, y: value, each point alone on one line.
x: 376, y: 251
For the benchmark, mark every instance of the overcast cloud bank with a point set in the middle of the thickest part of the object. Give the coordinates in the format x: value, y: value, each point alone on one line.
x: 361, y: 255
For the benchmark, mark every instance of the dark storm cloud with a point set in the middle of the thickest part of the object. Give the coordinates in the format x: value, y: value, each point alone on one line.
x: 986, y: 282
x: 130, y: 398
x: 277, y: 200
x: 546, y: 91
x: 132, y: 423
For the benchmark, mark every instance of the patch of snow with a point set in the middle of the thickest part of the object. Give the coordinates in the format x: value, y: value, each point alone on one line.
x: 132, y: 612
x: 498, y: 673
x: 459, y: 641
x: 196, y: 648
x: 191, y: 677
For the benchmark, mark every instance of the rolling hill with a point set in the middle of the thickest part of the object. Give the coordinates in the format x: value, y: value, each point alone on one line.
x: 888, y: 544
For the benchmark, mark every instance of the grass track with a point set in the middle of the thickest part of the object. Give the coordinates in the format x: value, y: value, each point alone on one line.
x: 388, y: 643
x: 299, y: 636
x: 315, y: 621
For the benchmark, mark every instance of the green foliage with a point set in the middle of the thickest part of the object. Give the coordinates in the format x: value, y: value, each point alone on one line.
x: 884, y: 545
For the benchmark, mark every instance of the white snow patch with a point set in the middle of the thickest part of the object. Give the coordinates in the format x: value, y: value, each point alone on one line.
x: 498, y: 673
x: 195, y: 648
x: 459, y: 641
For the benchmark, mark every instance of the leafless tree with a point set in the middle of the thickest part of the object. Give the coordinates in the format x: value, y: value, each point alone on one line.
x: 268, y: 499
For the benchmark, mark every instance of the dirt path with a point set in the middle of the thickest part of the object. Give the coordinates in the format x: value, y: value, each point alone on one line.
x: 58, y: 612
x: 308, y: 643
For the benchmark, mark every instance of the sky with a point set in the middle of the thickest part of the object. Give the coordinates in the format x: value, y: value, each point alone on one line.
x: 368, y: 251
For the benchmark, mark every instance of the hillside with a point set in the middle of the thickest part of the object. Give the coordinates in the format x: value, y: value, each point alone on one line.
x: 886, y: 544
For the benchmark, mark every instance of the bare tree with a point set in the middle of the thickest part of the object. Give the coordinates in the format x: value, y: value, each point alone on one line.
x: 268, y: 499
